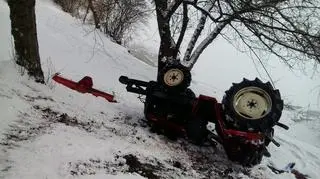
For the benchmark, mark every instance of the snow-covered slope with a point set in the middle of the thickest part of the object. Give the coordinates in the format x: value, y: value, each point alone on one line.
x: 53, y: 132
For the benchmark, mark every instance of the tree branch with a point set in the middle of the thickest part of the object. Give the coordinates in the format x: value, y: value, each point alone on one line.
x: 205, y: 11
x: 183, y: 28
x: 254, y: 52
x: 217, y: 30
x: 196, y: 34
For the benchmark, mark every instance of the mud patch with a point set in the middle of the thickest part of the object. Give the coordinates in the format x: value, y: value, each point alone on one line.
x: 56, y: 117
x: 90, y: 125
x: 34, y: 98
x: 26, y: 128
x: 5, y: 96
x: 143, y: 169
x: 129, y: 163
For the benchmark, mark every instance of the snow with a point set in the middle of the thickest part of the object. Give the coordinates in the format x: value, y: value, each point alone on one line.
x: 53, y: 132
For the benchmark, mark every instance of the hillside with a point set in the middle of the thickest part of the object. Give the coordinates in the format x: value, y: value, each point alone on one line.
x: 53, y: 132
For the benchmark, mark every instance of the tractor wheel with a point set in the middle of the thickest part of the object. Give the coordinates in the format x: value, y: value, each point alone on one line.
x: 175, y: 77
x: 244, y: 154
x: 197, y: 131
x: 189, y: 93
x: 252, y: 105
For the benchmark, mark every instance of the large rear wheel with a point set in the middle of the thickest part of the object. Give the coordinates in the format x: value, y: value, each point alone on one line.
x: 252, y: 105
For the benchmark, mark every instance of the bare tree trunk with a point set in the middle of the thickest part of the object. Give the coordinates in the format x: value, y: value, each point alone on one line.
x: 85, y: 16
x: 24, y: 32
x: 196, y: 34
x: 167, y: 50
x: 184, y: 27
x: 95, y: 15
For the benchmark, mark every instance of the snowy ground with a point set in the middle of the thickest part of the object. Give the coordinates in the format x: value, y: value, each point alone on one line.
x: 53, y: 132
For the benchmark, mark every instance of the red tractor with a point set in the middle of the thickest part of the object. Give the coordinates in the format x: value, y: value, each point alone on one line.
x: 244, y: 120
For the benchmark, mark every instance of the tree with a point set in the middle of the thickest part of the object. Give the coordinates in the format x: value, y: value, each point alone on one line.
x: 94, y: 14
x: 288, y: 29
x: 120, y: 16
x: 117, y: 17
x: 24, y: 32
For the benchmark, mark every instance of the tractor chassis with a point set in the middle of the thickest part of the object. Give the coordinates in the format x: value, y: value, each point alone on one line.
x: 185, y: 115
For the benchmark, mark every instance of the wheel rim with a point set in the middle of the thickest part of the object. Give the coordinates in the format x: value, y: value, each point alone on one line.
x: 173, y: 77
x: 252, y: 103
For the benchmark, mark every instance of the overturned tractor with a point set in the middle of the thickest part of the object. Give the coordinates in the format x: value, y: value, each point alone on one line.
x: 244, y: 120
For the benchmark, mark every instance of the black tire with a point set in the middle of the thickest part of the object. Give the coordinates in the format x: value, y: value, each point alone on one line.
x: 189, y: 93
x: 176, y: 85
x: 197, y: 131
x: 245, y: 154
x: 252, y: 105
